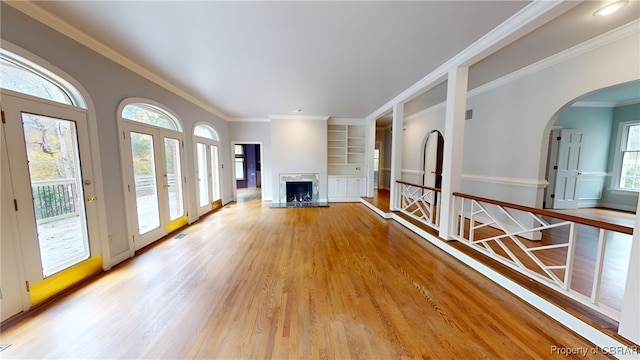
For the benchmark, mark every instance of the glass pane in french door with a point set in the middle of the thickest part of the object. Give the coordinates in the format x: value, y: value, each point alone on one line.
x: 215, y: 174
x: 173, y: 178
x: 144, y: 177
x: 203, y: 175
x: 56, y: 186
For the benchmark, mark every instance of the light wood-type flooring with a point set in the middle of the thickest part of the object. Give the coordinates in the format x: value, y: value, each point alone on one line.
x: 250, y: 281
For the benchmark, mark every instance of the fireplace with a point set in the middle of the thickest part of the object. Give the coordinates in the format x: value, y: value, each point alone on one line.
x: 299, y: 190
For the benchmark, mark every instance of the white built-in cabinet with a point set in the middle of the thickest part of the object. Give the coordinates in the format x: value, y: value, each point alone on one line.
x: 346, y: 159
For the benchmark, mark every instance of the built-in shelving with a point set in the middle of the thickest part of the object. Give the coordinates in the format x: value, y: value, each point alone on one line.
x: 346, y: 149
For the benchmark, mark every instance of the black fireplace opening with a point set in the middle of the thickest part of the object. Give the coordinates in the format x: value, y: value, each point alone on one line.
x: 299, y: 191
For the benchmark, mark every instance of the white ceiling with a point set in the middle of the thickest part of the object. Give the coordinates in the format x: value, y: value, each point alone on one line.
x: 331, y: 58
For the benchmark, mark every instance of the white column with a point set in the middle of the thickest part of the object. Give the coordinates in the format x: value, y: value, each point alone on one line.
x: 371, y: 146
x: 630, y: 315
x: 453, y: 144
x: 396, y: 153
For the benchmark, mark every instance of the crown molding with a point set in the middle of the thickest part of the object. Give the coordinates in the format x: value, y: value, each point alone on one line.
x: 605, y: 104
x: 530, y: 17
x: 250, y: 120
x: 580, y: 49
x: 36, y: 12
x: 298, y: 117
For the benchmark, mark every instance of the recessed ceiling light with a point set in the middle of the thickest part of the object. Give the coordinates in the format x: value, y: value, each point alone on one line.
x: 610, y: 8
x: 297, y: 111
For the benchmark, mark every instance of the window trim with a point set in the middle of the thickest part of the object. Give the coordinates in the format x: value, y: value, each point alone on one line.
x: 621, y: 140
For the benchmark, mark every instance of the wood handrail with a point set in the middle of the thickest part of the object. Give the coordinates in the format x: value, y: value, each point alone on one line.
x: 418, y: 185
x: 576, y: 219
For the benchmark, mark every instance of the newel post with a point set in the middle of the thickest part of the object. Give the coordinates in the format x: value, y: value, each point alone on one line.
x: 453, y: 144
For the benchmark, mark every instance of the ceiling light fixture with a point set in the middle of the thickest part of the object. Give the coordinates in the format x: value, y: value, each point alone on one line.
x: 610, y: 8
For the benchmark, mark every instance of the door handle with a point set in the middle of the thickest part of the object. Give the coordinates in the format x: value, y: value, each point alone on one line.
x: 92, y: 199
x: 166, y: 186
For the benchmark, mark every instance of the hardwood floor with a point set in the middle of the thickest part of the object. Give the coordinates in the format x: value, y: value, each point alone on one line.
x: 253, y: 282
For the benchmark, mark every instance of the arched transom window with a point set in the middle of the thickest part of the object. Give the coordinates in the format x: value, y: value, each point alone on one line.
x: 206, y: 131
x: 23, y: 76
x: 151, y: 115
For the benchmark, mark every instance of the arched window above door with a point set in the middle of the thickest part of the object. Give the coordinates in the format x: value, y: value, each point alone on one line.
x: 21, y: 75
x: 206, y: 131
x: 150, y: 114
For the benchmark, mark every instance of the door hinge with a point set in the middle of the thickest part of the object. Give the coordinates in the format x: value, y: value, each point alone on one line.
x: 555, y: 167
x: 553, y: 196
x: 124, y: 137
x: 15, y: 204
x: 28, y: 287
x: 559, y: 138
x: 4, y: 121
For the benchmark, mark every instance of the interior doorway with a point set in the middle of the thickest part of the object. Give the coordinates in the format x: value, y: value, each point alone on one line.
x: 432, y: 165
x: 247, y: 171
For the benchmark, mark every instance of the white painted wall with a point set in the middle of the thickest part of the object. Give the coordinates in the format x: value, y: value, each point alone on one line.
x: 505, y: 144
x: 107, y: 84
x: 416, y: 129
x: 299, y: 146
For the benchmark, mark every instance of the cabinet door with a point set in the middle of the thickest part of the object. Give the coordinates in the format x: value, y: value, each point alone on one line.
x: 337, y: 187
x: 356, y: 186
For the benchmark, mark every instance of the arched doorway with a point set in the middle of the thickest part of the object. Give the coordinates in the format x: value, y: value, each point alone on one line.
x: 432, y: 164
x: 593, y: 154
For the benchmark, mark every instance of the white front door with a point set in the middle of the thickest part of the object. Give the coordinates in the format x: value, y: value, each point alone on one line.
x: 49, y: 217
x: 565, y: 192
x: 154, y: 182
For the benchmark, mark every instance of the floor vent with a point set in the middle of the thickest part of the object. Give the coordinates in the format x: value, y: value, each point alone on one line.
x: 180, y: 236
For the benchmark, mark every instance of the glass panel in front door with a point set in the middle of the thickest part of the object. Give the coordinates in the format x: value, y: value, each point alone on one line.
x: 56, y: 186
x: 173, y: 178
x: 215, y: 174
x: 144, y: 178
x: 203, y: 175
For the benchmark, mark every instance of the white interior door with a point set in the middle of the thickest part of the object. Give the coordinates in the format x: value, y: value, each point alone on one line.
x: 154, y: 181
x: 566, y: 190
x: 49, y: 217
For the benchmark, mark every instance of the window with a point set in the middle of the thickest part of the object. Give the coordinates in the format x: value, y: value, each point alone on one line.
x: 23, y: 76
x: 206, y: 131
x: 240, y: 162
x: 630, y: 157
x: 151, y: 115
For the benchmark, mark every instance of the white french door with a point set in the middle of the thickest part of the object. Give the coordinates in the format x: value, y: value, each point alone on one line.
x: 207, y: 175
x: 49, y: 217
x: 154, y: 182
